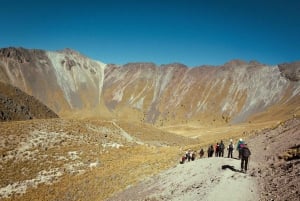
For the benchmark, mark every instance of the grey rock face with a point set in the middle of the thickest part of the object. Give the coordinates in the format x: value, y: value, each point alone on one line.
x: 290, y: 70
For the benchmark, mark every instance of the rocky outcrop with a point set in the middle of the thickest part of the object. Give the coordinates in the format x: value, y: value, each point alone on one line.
x: 290, y: 70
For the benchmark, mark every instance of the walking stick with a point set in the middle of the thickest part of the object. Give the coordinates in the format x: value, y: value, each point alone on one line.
x: 248, y: 162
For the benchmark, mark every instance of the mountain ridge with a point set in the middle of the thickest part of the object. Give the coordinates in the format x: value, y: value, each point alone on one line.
x: 219, y: 78
x: 71, y: 84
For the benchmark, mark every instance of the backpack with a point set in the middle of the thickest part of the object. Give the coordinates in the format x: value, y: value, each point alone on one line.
x: 246, y: 152
x: 221, y: 146
x: 230, y: 146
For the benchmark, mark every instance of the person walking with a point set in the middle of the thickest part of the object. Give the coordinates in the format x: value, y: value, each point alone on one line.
x: 221, y: 149
x: 183, y: 158
x: 193, y: 155
x: 217, y: 150
x: 187, y: 155
x: 210, y: 151
x: 201, y: 153
x: 245, y: 154
x: 240, y: 145
x: 230, y: 149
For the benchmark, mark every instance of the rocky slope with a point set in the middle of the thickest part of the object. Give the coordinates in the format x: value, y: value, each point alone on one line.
x: 74, y: 85
x: 277, y: 161
x: 213, y: 95
x: 64, y: 81
x: 17, y: 105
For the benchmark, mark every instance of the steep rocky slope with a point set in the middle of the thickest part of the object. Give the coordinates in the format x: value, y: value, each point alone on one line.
x: 17, y: 105
x: 277, y: 161
x: 64, y: 81
x: 174, y: 93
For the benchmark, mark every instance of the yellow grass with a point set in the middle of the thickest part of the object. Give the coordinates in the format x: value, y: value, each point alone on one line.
x: 116, y: 168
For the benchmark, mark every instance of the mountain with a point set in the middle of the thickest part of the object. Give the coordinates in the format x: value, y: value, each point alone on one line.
x: 74, y: 85
x: 174, y: 93
x: 65, y: 81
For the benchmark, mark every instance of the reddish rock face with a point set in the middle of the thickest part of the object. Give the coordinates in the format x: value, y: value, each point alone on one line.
x: 72, y: 84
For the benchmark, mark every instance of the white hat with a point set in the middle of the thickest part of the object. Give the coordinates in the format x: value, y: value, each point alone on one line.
x: 241, y: 139
x: 230, y: 140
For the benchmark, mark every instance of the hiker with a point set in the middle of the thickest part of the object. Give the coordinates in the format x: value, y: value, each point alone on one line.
x: 217, y: 148
x: 221, y: 149
x: 210, y: 151
x: 245, y: 154
x: 183, y: 159
x: 239, y: 147
x: 201, y: 153
x: 230, y: 149
x: 187, y: 156
x: 193, y: 155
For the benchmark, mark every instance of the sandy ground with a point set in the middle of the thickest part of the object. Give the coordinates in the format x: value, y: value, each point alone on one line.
x: 203, y: 179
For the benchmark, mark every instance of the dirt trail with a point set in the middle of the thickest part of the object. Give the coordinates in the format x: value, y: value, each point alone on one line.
x: 203, y: 179
x: 269, y: 177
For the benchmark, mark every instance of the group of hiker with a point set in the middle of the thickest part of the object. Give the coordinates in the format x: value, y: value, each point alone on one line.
x: 191, y: 155
x: 217, y: 150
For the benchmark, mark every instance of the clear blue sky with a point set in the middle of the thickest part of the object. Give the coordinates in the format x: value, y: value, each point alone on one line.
x: 192, y: 32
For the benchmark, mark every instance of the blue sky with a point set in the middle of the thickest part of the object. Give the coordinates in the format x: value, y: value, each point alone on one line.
x: 192, y: 32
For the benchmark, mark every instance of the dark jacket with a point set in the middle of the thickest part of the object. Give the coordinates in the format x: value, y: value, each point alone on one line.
x: 245, y: 152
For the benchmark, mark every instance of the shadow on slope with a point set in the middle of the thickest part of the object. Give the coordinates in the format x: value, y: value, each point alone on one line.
x: 17, y: 105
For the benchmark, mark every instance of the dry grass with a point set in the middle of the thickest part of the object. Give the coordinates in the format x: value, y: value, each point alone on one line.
x: 291, y: 154
x: 76, y: 154
x: 66, y: 159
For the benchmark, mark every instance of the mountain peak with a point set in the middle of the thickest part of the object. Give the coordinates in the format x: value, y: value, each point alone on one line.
x: 178, y: 65
x: 70, y: 51
x: 138, y: 65
x: 235, y: 62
